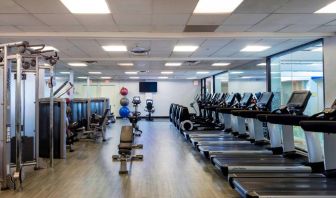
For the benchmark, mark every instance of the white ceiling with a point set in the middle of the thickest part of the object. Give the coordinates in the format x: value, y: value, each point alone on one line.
x: 78, y: 37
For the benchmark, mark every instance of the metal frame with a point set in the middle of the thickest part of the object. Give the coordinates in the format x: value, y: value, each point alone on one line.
x: 16, y: 52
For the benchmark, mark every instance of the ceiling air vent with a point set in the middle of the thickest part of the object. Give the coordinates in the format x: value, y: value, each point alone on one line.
x: 140, y: 51
x: 91, y: 62
x: 191, y: 62
x: 200, y: 28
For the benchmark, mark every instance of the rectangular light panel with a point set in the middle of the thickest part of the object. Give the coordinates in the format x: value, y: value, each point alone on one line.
x: 131, y: 72
x: 216, y: 6
x: 77, y: 64
x: 255, y: 48
x: 87, y: 6
x: 115, y: 48
x: 173, y: 64
x: 185, y: 48
x: 220, y: 64
x: 328, y: 9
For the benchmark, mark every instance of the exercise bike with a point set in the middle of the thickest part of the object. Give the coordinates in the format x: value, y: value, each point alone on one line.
x: 135, y: 116
x: 150, y: 109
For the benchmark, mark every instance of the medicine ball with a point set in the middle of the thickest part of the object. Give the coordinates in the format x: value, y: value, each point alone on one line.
x: 123, y: 91
x: 124, y: 102
x: 124, y: 112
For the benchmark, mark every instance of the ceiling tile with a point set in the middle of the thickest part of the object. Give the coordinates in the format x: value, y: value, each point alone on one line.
x: 170, y: 19
x: 133, y: 19
x: 303, y: 6
x: 259, y: 6
x: 58, y: 19
x: 135, y: 28
x: 298, y: 28
x: 168, y: 28
x: 101, y: 28
x: 266, y: 27
x: 18, y: 19
x: 100, y: 19
x: 174, y: 6
x: 200, y: 19
x: 41, y: 28
x: 9, y: 6
x: 233, y: 28
x: 244, y: 19
x: 215, y: 42
x: 43, y: 6
x: 324, y: 28
x: 131, y: 6
x: 8, y: 28
x: 67, y: 28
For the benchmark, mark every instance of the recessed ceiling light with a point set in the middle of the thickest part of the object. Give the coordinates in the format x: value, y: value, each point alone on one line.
x: 115, y: 48
x: 87, y: 6
x: 125, y: 64
x: 173, y: 64
x: 82, y: 77
x: 191, y: 78
x: 330, y: 8
x: 261, y: 64
x: 255, y: 48
x: 167, y: 72
x: 317, y: 49
x: 131, y: 72
x: 202, y: 72
x: 185, y: 48
x: 216, y: 6
x: 134, y: 77
x: 95, y: 73
x: 77, y: 64
x: 163, y: 77
x: 46, y: 48
x: 64, y: 72
x: 236, y: 72
x: 106, y: 77
x: 220, y: 64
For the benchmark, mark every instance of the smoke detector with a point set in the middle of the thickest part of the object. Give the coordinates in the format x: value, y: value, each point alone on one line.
x: 91, y: 62
x: 140, y: 51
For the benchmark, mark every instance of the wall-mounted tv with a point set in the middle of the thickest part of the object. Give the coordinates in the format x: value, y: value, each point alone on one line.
x: 147, y: 86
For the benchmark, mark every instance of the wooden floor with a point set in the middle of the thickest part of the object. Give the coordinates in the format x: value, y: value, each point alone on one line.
x: 171, y: 168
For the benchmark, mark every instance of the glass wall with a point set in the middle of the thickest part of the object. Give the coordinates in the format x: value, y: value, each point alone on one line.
x: 299, y: 69
x: 209, y: 85
x: 221, y: 83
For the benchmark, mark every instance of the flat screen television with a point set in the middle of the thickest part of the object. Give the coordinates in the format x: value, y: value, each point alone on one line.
x: 147, y: 86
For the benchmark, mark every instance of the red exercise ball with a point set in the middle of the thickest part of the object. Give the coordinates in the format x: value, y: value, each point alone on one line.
x: 123, y: 91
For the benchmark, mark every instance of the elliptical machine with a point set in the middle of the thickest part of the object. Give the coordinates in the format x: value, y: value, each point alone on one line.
x: 135, y: 116
x: 150, y: 109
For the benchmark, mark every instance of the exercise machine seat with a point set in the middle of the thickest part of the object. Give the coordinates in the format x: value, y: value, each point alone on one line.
x: 126, y: 140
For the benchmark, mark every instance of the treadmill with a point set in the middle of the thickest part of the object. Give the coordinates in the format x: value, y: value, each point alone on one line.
x: 255, y: 129
x: 188, y: 128
x: 269, y: 159
x: 298, y: 185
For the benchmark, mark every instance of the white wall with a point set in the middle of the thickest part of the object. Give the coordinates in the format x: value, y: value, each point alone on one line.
x: 329, y: 70
x: 242, y: 86
x: 178, y: 91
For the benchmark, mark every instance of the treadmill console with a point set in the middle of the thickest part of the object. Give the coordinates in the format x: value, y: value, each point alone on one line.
x: 298, y: 101
x: 229, y: 101
x: 265, y: 101
x: 246, y: 100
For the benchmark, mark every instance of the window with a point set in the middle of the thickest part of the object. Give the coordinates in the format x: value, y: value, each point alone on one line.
x: 209, y: 85
x: 221, y: 83
x: 299, y: 69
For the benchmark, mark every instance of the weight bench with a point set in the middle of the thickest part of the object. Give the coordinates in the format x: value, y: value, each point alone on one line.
x: 126, y: 148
